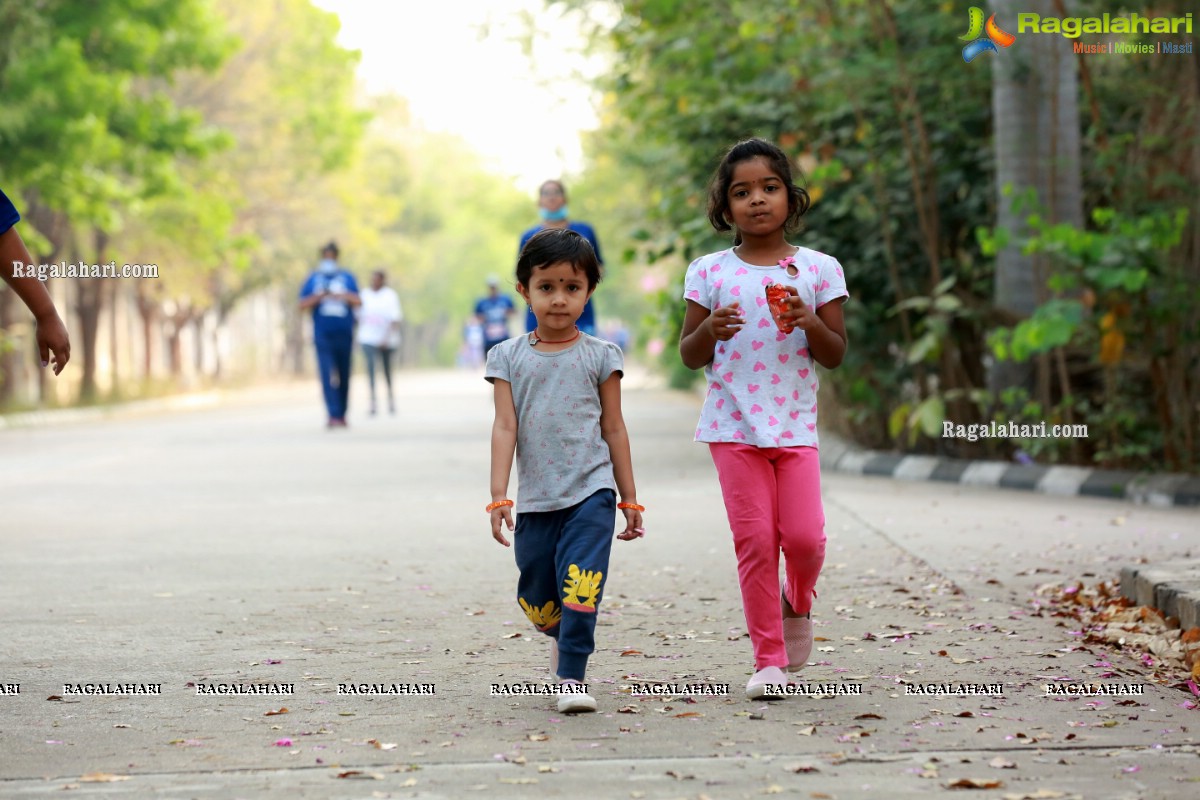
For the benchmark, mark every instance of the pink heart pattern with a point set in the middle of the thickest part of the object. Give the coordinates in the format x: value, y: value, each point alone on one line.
x: 730, y: 413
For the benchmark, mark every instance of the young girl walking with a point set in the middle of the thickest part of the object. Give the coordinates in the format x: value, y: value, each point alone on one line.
x: 558, y: 407
x: 759, y: 315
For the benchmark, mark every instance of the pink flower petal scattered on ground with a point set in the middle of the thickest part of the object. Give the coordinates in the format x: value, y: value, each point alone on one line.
x: 1134, y: 768
x: 283, y: 743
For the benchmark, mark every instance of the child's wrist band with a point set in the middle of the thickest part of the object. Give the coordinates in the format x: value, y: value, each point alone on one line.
x: 498, y: 504
x: 632, y: 506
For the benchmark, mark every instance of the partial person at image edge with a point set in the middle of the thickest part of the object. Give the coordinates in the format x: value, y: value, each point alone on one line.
x: 53, y: 343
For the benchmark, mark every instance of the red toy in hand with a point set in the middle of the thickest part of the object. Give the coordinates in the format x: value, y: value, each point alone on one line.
x: 777, y: 295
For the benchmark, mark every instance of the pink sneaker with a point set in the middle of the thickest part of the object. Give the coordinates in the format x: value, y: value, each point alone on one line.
x: 797, y: 635
x: 798, y: 641
x: 766, y: 684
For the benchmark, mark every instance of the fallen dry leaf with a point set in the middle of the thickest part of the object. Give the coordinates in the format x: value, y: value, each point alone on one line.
x: 382, y: 745
x: 358, y: 774
x: 276, y: 713
x: 975, y: 783
x: 999, y: 762
x: 538, y: 737
x: 103, y: 777
x: 1040, y: 794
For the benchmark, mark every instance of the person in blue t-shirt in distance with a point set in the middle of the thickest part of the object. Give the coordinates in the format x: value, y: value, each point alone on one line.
x: 332, y: 294
x: 493, y: 312
x: 552, y: 207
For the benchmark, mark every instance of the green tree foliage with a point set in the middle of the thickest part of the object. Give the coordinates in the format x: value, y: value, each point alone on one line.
x: 256, y: 213
x: 89, y: 131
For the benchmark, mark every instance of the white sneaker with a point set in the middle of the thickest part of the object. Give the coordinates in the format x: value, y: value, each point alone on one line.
x: 575, y: 702
x: 798, y: 641
x: 757, y: 687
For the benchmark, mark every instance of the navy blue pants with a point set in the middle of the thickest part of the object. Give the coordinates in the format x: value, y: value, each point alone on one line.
x: 563, y: 559
x: 334, y: 349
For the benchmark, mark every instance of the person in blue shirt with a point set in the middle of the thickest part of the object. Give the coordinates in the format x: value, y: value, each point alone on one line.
x: 54, y: 346
x: 552, y: 207
x: 493, y: 312
x: 332, y: 294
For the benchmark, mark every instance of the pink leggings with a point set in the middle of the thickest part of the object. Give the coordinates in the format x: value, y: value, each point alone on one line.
x: 773, y: 499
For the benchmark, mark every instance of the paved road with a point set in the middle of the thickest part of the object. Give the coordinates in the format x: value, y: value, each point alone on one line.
x: 243, y: 543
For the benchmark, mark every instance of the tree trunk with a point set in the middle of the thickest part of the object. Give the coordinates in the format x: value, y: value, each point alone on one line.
x: 87, y: 305
x: 148, y: 312
x: 1035, y: 107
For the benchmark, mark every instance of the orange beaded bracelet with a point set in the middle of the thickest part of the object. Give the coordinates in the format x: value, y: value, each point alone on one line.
x: 632, y: 506
x: 498, y: 504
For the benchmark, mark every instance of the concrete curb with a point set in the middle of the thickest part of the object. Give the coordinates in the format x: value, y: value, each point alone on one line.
x: 1173, y: 589
x: 1162, y: 490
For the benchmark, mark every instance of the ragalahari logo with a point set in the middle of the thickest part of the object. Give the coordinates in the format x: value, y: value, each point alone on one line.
x: 980, y: 44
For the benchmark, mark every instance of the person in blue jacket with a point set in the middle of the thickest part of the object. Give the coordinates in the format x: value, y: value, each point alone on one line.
x: 552, y: 207
x: 332, y: 294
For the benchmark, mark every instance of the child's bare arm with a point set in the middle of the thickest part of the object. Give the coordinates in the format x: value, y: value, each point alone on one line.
x: 825, y: 328
x: 612, y: 429
x: 50, y: 333
x: 504, y: 446
x: 702, y: 330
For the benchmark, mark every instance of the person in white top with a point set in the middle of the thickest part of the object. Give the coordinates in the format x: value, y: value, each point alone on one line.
x: 379, y: 320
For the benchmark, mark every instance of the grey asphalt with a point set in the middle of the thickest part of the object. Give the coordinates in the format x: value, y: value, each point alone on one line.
x: 240, y: 542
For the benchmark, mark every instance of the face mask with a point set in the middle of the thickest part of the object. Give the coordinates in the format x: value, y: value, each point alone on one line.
x: 327, y: 265
x: 553, y: 216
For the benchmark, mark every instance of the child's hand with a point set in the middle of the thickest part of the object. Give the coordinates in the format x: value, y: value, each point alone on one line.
x: 633, y: 525
x: 501, y: 515
x: 801, y: 315
x: 726, y: 321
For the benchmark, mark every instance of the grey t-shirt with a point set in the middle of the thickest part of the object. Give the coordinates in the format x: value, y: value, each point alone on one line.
x: 561, y: 457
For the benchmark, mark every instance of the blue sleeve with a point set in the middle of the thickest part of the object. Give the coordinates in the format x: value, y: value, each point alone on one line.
x: 479, y: 308
x: 588, y: 233
x: 8, y: 213
x: 525, y: 237
x: 351, y: 281
x: 309, y: 286
x: 508, y: 303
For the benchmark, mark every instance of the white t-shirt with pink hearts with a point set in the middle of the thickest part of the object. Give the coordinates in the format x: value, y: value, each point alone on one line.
x: 762, y: 385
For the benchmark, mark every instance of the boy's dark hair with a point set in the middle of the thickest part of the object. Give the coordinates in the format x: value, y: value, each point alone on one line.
x: 330, y: 248
x: 554, y: 245
x: 777, y: 160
